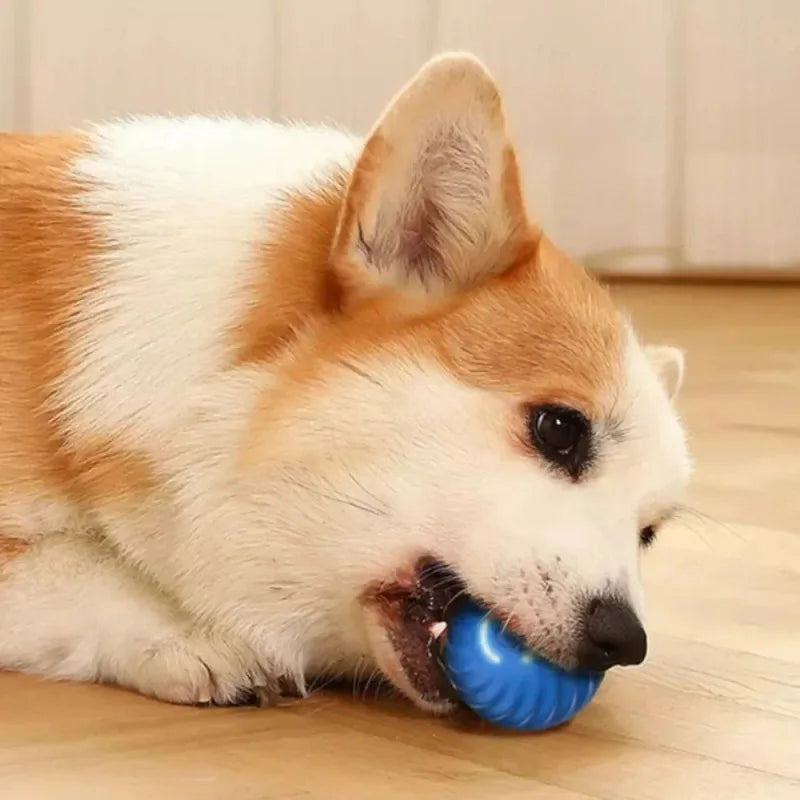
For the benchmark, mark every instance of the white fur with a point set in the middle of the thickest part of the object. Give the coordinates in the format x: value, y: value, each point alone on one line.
x: 70, y: 609
x: 248, y: 560
x: 184, y: 202
x: 432, y: 473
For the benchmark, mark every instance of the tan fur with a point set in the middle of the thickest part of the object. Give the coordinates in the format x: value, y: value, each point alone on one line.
x: 105, y: 473
x: 294, y: 281
x: 46, y: 245
x: 473, y: 328
x: 572, y: 356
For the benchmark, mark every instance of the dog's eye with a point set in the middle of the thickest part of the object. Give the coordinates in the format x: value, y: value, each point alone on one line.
x: 647, y: 535
x: 562, y: 436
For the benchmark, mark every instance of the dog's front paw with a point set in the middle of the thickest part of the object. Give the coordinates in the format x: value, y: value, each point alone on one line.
x: 200, y: 670
x: 174, y: 670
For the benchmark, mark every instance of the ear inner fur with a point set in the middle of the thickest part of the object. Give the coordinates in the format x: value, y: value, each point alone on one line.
x: 435, y: 202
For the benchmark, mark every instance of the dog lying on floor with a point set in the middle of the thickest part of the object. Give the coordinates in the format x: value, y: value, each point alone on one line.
x: 273, y: 397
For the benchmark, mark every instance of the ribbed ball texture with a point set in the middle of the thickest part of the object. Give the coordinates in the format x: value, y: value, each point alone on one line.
x: 506, y: 683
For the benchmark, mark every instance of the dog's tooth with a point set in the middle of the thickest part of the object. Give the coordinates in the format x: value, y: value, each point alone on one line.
x: 436, y: 629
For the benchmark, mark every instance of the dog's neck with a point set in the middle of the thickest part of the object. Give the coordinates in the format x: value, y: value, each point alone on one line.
x: 294, y: 282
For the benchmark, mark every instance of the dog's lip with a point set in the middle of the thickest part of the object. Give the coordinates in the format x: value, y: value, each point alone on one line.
x: 413, y: 609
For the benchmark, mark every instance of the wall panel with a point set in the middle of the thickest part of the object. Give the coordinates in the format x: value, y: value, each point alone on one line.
x: 743, y: 132
x: 588, y: 96
x: 94, y: 59
x: 343, y: 60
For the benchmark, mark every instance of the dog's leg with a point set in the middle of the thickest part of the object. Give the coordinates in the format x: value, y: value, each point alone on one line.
x: 70, y: 609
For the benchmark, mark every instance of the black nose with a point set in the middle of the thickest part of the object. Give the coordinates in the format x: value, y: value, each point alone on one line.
x: 612, y: 635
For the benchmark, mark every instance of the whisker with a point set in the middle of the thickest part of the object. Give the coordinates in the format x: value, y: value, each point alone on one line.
x: 365, y: 490
x: 374, y: 674
x: 343, y: 499
x: 338, y: 493
x: 456, y: 596
x: 358, y: 371
x: 508, y: 617
x: 684, y: 511
x: 446, y: 583
x: 690, y: 523
x: 318, y: 685
x: 356, y: 673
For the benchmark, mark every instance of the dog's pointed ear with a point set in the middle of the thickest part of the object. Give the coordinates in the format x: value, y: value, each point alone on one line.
x: 435, y: 202
x: 668, y: 363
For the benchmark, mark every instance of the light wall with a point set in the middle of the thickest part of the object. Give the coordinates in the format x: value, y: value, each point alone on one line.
x: 654, y: 133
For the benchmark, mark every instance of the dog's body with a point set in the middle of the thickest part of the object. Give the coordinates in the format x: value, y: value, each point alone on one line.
x: 253, y: 376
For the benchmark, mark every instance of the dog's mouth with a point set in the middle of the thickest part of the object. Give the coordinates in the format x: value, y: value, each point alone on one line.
x: 412, y: 612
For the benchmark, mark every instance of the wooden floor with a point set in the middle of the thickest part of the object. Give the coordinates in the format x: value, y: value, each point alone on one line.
x: 715, y: 713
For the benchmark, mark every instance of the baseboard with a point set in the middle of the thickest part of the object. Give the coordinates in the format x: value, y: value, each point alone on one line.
x: 668, y: 265
x: 699, y: 275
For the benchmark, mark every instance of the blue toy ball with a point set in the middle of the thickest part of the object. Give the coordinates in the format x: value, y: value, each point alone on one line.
x: 504, y: 682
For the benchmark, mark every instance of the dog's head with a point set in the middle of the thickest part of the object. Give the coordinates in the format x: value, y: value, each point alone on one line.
x: 478, y: 418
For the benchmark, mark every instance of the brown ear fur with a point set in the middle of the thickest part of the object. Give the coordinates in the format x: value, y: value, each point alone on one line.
x: 435, y: 201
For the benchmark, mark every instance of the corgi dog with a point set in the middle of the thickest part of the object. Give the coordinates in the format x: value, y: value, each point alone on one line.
x: 274, y: 397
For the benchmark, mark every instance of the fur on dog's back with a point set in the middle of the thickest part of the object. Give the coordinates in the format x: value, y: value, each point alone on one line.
x: 46, y: 245
x: 136, y: 261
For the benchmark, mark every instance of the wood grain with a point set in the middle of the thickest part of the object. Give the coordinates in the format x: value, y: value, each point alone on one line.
x: 714, y: 713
